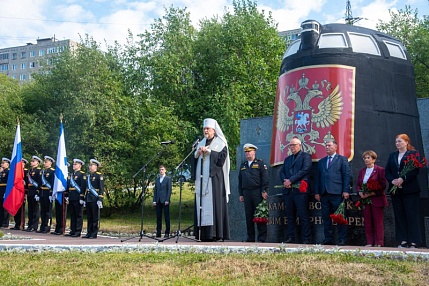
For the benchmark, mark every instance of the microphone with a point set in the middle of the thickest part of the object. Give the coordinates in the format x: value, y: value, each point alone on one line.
x: 167, y: 142
x: 196, y: 142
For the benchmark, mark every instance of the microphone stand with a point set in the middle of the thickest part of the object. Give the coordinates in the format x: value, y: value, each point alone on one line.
x: 144, y: 186
x: 179, y: 232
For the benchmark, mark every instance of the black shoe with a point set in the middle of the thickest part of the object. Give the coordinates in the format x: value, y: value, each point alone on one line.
x: 40, y: 231
x: 166, y: 235
x: 306, y: 242
x: 250, y: 240
x: 92, y: 237
x: 342, y: 243
x: 403, y: 245
x: 56, y: 233
x: 16, y: 228
x: 290, y: 240
x: 69, y: 234
x: 76, y: 235
x: 327, y: 242
x: 86, y: 236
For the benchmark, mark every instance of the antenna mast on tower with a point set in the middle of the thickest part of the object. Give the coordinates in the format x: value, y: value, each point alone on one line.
x: 349, y: 17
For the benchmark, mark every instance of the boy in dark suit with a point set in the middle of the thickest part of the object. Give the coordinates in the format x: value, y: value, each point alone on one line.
x: 161, y: 201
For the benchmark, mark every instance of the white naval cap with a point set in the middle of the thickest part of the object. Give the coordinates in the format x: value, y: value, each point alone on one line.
x: 249, y: 147
x: 49, y: 158
x: 36, y: 158
x: 79, y: 161
x: 93, y: 161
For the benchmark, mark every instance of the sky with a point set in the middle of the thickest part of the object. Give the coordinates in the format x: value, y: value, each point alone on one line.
x: 107, y: 21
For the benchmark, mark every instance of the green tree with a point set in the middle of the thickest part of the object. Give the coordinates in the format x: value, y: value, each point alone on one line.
x: 159, y: 68
x: 237, y: 65
x: 11, y: 110
x: 413, y: 32
x: 102, y: 118
x: 227, y: 69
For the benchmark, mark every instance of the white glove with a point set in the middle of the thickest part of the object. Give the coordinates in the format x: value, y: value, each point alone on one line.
x: 81, y: 202
x: 37, y: 198
x: 67, y: 200
x: 51, y: 199
x: 84, y: 204
x: 99, y: 204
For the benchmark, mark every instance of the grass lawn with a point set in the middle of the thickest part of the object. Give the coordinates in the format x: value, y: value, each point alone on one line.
x: 129, y: 221
x: 77, y: 268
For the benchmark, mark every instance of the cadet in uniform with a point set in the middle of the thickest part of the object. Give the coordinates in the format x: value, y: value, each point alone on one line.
x: 76, y: 188
x: 19, y: 217
x: 4, y: 215
x: 34, y: 179
x: 45, y: 194
x: 93, y: 198
x: 253, y: 188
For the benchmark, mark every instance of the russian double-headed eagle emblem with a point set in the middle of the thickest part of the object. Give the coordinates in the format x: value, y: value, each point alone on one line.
x: 314, y: 103
x: 305, y: 116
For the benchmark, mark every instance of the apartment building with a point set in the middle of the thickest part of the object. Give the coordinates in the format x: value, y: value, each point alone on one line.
x: 290, y: 35
x: 22, y: 61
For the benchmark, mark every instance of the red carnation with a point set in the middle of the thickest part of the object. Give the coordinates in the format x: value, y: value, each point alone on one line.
x: 411, y: 162
x: 339, y: 215
x: 373, y: 185
x: 303, y: 186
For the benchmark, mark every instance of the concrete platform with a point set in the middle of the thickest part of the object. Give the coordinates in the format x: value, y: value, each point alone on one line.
x: 22, y: 238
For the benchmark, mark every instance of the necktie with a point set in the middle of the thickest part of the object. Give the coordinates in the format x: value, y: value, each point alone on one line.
x: 329, y: 161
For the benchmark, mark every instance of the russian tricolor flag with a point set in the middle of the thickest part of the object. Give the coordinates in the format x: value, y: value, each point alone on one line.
x: 14, y: 196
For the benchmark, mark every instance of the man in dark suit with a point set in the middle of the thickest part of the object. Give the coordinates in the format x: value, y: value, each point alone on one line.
x: 295, y: 174
x: 332, y: 186
x: 161, y: 201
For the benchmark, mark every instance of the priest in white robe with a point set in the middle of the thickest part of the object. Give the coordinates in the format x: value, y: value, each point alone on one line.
x: 212, y: 184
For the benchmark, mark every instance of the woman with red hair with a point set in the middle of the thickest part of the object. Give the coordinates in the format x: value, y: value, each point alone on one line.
x: 406, y: 199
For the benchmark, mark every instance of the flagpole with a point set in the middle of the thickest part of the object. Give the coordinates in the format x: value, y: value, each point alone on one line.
x: 60, y: 182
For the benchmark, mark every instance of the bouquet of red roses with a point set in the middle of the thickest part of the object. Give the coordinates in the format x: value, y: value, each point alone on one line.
x: 261, y: 213
x: 302, y: 186
x: 339, y: 216
x: 411, y: 162
x: 367, y: 188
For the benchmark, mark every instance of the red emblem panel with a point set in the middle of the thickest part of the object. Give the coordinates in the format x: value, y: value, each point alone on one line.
x: 314, y: 104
